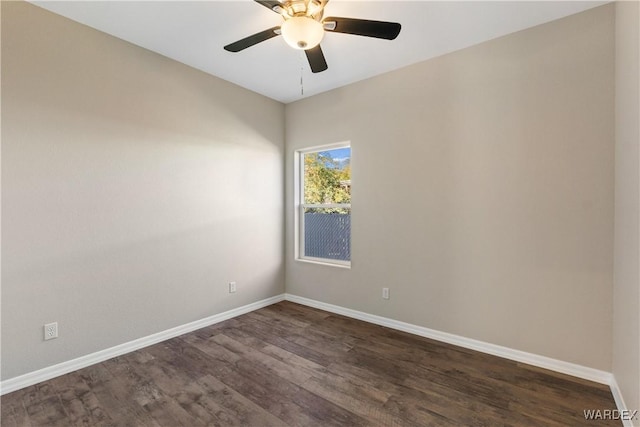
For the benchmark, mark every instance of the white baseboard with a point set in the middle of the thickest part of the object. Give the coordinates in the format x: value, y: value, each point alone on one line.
x: 31, y: 378
x: 602, y: 377
x: 620, y: 404
x: 572, y: 369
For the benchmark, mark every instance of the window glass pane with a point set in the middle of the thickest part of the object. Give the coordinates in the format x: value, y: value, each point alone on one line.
x: 327, y: 176
x: 327, y: 233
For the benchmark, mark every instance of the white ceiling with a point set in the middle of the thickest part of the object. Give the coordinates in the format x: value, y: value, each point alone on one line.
x: 194, y: 32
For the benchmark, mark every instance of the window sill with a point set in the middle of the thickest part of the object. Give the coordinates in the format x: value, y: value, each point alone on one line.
x: 327, y: 263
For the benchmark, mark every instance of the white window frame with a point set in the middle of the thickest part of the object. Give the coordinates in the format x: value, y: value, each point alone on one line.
x: 300, y: 206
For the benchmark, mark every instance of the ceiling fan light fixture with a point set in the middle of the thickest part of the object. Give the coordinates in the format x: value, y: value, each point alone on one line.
x: 302, y: 32
x: 314, y: 7
x: 304, y: 27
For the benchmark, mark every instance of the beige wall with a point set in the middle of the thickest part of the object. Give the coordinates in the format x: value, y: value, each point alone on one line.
x: 134, y: 188
x: 626, y: 302
x: 482, y: 191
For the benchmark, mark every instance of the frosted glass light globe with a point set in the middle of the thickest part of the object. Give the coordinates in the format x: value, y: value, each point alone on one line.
x: 302, y: 32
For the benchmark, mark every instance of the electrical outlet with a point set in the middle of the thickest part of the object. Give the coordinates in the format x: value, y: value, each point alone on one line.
x: 232, y: 287
x: 385, y: 293
x: 51, y: 331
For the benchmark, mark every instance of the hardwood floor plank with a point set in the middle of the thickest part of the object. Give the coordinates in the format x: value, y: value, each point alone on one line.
x: 271, y: 316
x: 13, y: 413
x: 239, y: 404
x: 282, y: 398
x: 80, y: 403
x: 250, y: 387
x: 288, y: 364
x: 114, y: 396
x: 47, y: 412
x: 145, y: 392
x: 43, y: 406
x: 300, y: 312
x: 352, y: 395
x: 326, y: 350
x: 285, y: 344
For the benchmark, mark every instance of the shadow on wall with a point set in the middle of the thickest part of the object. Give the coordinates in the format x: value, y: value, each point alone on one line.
x: 92, y: 74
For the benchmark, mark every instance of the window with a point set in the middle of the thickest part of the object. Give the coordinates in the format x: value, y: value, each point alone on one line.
x: 323, y: 217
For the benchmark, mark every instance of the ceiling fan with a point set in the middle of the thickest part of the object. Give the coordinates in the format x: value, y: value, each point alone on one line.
x: 303, y: 28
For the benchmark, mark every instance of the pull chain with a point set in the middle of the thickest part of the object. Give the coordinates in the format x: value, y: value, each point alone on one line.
x: 301, y: 75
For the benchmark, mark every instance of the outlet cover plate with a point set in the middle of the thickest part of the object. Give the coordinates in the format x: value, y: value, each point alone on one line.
x: 51, y: 331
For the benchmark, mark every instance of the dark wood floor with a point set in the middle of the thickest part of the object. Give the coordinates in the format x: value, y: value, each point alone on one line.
x: 292, y: 365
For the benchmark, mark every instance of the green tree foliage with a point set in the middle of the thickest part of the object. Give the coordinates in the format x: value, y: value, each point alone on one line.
x: 326, y: 180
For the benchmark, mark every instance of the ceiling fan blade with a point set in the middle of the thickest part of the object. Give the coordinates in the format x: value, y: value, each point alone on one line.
x: 269, y: 4
x: 252, y: 40
x: 316, y: 59
x: 363, y: 27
